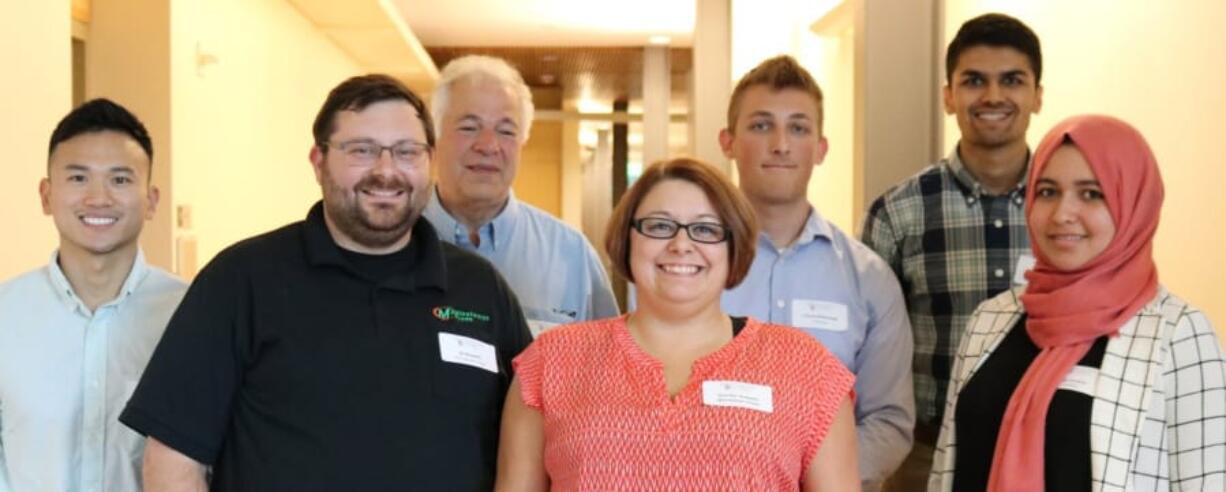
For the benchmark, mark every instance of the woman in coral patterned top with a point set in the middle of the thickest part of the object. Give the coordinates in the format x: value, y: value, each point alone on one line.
x: 678, y: 395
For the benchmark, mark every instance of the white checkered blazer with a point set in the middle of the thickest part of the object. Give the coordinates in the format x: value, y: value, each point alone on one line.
x: 1158, y: 421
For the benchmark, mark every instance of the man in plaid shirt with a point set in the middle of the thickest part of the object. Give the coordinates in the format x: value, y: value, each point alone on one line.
x: 955, y: 232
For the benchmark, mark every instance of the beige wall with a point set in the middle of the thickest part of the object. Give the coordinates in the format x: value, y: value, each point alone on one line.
x: 539, y: 178
x: 248, y: 78
x: 35, y: 92
x: 127, y: 59
x: 1157, y: 65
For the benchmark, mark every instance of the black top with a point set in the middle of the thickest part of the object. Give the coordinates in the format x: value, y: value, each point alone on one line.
x: 981, y: 408
x: 378, y: 268
x: 288, y: 369
x: 738, y: 324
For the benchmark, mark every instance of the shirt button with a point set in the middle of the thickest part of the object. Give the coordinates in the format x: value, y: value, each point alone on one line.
x: 999, y: 273
x: 999, y: 223
x: 780, y: 303
x: 970, y: 199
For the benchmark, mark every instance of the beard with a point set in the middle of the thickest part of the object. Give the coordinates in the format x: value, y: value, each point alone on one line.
x: 383, y: 224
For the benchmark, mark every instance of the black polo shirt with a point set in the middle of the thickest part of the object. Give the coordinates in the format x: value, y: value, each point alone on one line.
x: 287, y: 368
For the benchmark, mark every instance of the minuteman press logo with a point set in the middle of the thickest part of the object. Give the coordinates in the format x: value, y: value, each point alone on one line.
x: 448, y: 313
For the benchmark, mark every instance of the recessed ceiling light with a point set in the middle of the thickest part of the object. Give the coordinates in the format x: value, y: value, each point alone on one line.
x: 660, y: 40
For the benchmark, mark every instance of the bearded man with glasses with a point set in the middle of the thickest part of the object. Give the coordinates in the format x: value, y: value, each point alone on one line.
x: 350, y: 351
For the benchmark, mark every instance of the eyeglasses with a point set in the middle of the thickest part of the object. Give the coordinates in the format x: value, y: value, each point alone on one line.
x: 699, y: 232
x: 367, y: 152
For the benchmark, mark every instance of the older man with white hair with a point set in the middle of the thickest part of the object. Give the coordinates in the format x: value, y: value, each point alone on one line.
x: 484, y: 111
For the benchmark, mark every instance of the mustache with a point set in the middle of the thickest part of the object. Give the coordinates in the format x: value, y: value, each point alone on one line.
x: 383, y: 182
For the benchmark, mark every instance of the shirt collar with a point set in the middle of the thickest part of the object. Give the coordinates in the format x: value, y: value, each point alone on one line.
x: 429, y: 268
x: 66, y: 294
x: 815, y: 227
x: 971, y: 186
x: 498, y: 230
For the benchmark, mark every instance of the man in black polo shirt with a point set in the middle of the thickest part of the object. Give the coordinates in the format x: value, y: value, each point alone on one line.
x: 350, y: 351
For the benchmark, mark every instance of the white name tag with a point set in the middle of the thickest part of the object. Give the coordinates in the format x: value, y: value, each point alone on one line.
x: 1024, y: 264
x: 537, y: 326
x: 821, y: 315
x: 737, y: 394
x: 468, y: 351
x: 1080, y: 379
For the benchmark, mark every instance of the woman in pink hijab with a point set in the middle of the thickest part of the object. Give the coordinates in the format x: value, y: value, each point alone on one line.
x: 1092, y: 376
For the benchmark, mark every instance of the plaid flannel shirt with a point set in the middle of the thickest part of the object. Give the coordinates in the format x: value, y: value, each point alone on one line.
x: 1158, y: 420
x: 952, y: 246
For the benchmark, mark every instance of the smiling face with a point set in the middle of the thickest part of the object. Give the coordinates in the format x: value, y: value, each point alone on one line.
x: 370, y: 205
x: 677, y: 270
x: 97, y: 191
x: 992, y: 93
x: 1069, y: 220
x: 776, y: 143
x: 479, y: 141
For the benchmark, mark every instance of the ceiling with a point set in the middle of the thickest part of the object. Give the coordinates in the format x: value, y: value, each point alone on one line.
x: 376, y: 37
x: 595, y: 75
x: 548, y: 22
x: 589, y: 51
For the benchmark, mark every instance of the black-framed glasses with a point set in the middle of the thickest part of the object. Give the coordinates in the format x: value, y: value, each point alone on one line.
x: 699, y: 232
x: 367, y: 152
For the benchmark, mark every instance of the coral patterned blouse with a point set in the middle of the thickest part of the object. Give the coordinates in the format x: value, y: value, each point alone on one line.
x: 610, y: 423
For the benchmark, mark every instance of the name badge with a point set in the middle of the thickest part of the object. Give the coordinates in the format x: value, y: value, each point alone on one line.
x: 1080, y: 379
x: 822, y: 315
x: 737, y: 394
x: 459, y: 349
x: 1025, y: 263
x: 536, y: 326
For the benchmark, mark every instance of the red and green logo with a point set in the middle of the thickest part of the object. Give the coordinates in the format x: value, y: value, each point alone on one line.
x: 448, y: 313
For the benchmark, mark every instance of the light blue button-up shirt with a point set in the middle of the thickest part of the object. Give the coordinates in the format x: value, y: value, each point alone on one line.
x: 553, y: 269
x: 838, y: 290
x: 66, y: 373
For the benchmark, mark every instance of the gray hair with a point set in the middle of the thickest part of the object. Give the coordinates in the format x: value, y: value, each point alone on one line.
x: 495, y: 69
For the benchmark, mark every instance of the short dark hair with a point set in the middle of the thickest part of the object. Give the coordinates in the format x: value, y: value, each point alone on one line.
x: 778, y: 73
x: 356, y: 93
x: 995, y: 30
x: 731, y: 206
x: 99, y: 115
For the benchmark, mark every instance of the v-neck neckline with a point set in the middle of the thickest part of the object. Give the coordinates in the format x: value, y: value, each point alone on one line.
x: 653, y: 369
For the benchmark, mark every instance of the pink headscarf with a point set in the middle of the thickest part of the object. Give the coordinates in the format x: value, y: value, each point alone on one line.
x: 1068, y: 310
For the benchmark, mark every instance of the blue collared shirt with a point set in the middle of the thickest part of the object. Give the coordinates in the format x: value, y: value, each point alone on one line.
x: 553, y: 269
x: 66, y: 373
x: 838, y: 290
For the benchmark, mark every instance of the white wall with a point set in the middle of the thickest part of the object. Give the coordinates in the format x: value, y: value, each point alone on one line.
x: 1157, y: 65
x: 35, y: 92
x: 759, y: 31
x: 242, y: 120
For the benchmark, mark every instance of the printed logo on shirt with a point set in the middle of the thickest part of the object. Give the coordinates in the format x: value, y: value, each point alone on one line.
x: 448, y: 313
